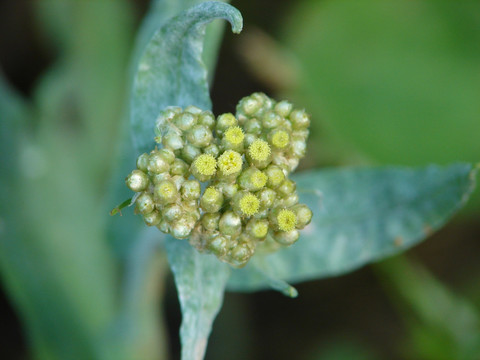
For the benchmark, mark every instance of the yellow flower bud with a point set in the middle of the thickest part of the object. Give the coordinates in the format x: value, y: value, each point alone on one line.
x: 234, y: 135
x: 246, y: 203
x: 279, y: 138
x: 166, y: 192
x: 286, y: 220
x: 204, y: 167
x: 258, y: 228
x: 230, y: 162
x: 259, y: 153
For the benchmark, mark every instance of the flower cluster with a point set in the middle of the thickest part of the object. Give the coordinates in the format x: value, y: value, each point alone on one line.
x: 223, y: 183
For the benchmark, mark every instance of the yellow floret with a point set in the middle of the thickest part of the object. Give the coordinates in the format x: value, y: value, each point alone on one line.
x: 230, y: 162
x: 280, y: 139
x: 286, y: 220
x: 210, y: 193
x: 260, y: 229
x: 166, y: 189
x: 259, y: 179
x: 234, y: 135
x: 259, y: 150
x: 249, y: 204
x: 205, y: 164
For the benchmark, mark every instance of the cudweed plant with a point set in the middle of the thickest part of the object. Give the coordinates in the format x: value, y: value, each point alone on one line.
x: 217, y: 194
x: 242, y: 162
x: 226, y: 184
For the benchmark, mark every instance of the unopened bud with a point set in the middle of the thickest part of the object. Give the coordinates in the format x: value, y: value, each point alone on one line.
x: 286, y: 238
x: 283, y: 108
x: 230, y: 224
x: 258, y: 228
x: 179, y: 167
x: 280, y: 139
x: 253, y: 126
x: 271, y: 120
x: 218, y: 245
x: 173, y: 141
x: 267, y: 198
x: 304, y: 215
x: 142, y: 162
x: 137, y: 181
x: 157, y: 164
x: 299, y: 119
x: 252, y: 179
x: 207, y: 119
x: 167, y: 154
x: 190, y: 190
x: 185, y: 121
x: 225, y: 121
x: 182, y: 228
x: 190, y: 152
x: 286, y: 188
x: 212, y: 200
x: 153, y: 218
x: 166, y: 191
x: 172, y: 212
x: 210, y: 221
x: 145, y: 204
x: 200, y: 136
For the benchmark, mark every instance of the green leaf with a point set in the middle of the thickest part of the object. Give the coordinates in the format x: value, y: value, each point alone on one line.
x: 171, y: 72
x: 442, y: 324
x: 200, y: 281
x: 360, y: 216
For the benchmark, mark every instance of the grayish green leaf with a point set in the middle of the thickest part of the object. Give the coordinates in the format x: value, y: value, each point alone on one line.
x: 200, y: 281
x: 362, y: 215
x: 171, y: 72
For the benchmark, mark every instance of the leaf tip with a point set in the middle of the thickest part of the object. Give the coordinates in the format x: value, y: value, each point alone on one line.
x: 291, y: 292
x: 236, y: 21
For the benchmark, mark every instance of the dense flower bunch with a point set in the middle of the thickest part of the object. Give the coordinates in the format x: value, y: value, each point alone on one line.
x: 224, y: 182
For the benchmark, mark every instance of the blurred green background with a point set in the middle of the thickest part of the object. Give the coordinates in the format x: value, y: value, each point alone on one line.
x: 386, y: 82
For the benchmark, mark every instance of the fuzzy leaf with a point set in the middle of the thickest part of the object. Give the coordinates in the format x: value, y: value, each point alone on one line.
x: 200, y: 281
x: 171, y: 71
x: 360, y: 216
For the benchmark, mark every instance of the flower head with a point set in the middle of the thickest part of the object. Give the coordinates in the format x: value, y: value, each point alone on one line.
x: 280, y: 139
x: 234, y: 135
x: 259, y: 150
x: 205, y: 164
x: 249, y: 204
x: 230, y: 162
x: 286, y: 220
